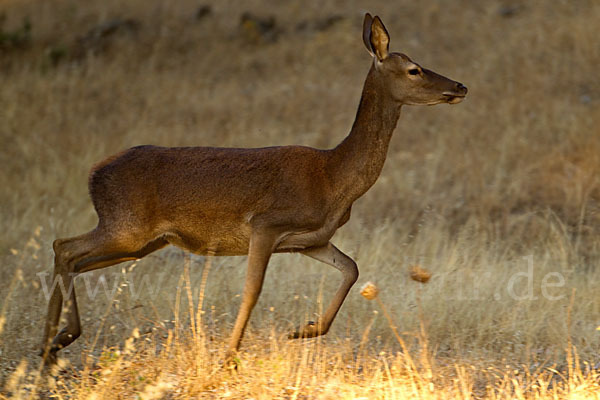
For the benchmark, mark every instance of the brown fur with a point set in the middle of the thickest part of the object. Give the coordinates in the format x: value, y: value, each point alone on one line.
x: 224, y: 201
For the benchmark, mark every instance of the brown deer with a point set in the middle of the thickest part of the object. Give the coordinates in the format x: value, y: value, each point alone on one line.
x: 259, y: 201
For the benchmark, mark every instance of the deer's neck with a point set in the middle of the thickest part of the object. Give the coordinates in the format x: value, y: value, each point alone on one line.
x: 358, y: 160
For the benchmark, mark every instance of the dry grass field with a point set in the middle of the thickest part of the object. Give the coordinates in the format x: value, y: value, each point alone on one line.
x: 497, y: 197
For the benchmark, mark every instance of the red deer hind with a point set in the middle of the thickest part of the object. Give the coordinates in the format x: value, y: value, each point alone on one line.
x: 259, y: 201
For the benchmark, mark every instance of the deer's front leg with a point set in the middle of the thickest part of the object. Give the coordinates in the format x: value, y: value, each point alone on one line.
x: 331, y: 255
x: 259, y: 252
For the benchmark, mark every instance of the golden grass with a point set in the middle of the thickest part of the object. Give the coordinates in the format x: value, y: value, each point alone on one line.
x: 498, y: 198
x: 187, y: 362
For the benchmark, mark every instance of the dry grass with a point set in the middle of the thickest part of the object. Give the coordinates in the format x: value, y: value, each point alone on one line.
x: 498, y: 198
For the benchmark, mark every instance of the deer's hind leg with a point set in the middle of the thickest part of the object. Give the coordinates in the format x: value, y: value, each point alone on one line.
x: 93, y: 250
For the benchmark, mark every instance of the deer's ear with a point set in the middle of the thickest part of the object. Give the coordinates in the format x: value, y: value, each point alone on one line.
x: 379, y: 38
x: 367, y: 33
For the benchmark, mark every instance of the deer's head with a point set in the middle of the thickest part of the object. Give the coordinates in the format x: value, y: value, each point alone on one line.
x: 406, y: 81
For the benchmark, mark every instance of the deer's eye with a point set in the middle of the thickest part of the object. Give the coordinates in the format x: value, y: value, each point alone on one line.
x: 414, y: 71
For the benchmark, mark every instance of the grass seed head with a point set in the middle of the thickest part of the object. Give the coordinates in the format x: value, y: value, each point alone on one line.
x: 369, y: 291
x: 419, y: 274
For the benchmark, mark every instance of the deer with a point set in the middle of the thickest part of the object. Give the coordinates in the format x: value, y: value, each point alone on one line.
x: 245, y: 201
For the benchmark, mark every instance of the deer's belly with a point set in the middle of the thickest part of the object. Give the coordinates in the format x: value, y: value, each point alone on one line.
x: 300, y: 240
x: 231, y: 238
x: 223, y: 240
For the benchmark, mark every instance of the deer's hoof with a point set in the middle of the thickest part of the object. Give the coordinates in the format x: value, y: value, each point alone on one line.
x: 310, y: 330
x: 231, y: 362
x: 48, y: 357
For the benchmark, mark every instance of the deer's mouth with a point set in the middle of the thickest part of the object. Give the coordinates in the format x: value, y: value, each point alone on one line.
x: 457, y: 94
x: 453, y: 98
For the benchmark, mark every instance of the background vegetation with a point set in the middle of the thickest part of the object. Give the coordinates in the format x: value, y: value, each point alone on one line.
x: 497, y: 197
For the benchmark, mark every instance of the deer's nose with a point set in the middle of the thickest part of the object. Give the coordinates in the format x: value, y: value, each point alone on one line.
x: 461, y: 88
